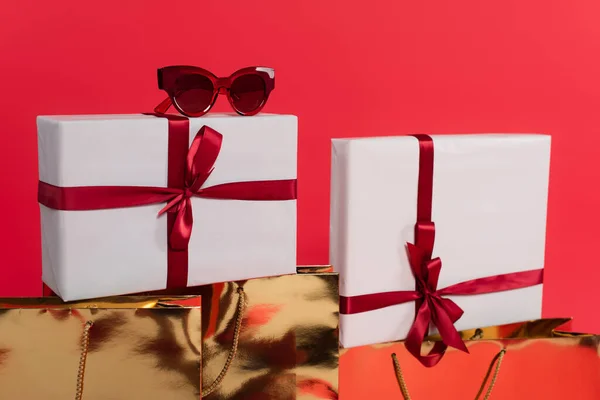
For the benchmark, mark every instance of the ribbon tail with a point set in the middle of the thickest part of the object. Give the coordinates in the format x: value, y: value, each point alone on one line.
x: 444, y: 314
x: 170, y: 205
x: 418, y: 330
x: 182, y: 228
x: 416, y: 337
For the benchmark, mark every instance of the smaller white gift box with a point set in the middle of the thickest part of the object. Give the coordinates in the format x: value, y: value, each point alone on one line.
x: 488, y: 205
x: 93, y: 244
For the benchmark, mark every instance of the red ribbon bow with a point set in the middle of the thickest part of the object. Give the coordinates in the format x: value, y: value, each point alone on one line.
x: 198, y: 167
x: 431, y: 307
x: 189, y: 168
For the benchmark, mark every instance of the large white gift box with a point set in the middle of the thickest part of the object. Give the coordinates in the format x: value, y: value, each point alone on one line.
x: 489, y: 208
x: 103, y: 252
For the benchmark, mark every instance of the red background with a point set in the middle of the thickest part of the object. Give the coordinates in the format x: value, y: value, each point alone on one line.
x: 346, y: 68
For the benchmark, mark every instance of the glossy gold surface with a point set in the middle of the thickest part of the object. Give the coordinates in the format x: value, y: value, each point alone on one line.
x: 541, y: 328
x: 139, y: 348
x: 288, y: 347
x: 288, y: 341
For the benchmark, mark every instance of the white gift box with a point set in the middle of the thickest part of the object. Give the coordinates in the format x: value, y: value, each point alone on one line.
x: 489, y: 209
x: 97, y: 253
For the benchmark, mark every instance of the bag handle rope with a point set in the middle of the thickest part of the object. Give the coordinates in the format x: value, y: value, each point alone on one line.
x: 234, y: 347
x: 85, y: 343
x: 497, y: 360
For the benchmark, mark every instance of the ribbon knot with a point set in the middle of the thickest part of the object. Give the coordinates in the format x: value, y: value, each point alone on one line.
x: 199, y: 164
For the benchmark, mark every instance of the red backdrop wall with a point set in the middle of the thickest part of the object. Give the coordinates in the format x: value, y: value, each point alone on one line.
x: 346, y: 68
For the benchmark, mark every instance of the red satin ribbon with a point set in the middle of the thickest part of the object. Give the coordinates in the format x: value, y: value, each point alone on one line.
x: 431, y: 307
x: 188, y: 170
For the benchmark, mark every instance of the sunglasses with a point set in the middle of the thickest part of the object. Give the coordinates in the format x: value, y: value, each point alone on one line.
x: 193, y: 90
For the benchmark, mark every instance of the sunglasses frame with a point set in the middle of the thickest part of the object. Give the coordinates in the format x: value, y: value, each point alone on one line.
x: 167, y: 78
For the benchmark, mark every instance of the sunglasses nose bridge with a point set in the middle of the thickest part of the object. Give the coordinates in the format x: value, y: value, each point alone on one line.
x: 222, y: 84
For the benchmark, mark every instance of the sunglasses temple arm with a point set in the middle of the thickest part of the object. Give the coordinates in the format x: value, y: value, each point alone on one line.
x: 163, y: 106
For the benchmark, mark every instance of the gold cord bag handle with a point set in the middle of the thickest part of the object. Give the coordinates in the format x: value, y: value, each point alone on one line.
x: 234, y: 347
x: 85, y: 343
x: 497, y: 360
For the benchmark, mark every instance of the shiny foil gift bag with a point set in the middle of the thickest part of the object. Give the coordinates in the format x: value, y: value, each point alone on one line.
x: 528, y: 360
x: 123, y: 348
x: 271, y: 338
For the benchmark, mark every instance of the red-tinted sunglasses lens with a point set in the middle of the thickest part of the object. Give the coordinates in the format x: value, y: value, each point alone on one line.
x: 248, y: 93
x: 194, y: 93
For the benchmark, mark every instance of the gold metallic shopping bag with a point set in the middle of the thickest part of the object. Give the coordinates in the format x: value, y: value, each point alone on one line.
x: 530, y: 360
x: 119, y: 348
x: 271, y: 338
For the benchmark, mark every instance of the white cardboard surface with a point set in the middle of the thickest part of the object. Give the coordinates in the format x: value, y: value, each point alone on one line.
x: 108, y: 252
x: 489, y: 208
